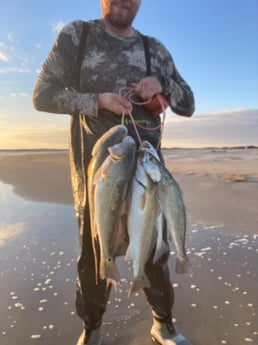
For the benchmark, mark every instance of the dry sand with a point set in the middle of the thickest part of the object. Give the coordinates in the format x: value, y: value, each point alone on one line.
x: 216, y: 305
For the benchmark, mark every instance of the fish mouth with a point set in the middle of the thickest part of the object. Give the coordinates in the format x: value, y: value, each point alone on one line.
x: 116, y: 152
x: 145, y: 144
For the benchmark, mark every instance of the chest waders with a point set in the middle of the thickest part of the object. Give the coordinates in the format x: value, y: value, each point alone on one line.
x: 92, y: 298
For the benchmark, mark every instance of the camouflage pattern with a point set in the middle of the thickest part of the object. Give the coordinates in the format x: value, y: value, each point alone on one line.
x: 110, y: 62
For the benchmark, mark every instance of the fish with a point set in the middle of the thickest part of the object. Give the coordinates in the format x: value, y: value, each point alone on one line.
x: 143, y: 218
x: 174, y: 210
x: 111, y: 183
x: 154, y: 173
x: 99, y: 153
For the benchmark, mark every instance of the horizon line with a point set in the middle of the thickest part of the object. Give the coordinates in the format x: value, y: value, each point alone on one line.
x: 251, y: 146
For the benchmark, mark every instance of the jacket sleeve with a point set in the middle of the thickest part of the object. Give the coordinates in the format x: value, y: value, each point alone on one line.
x: 55, y: 90
x: 178, y: 92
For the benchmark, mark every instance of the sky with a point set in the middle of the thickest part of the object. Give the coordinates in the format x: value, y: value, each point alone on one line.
x: 214, y: 45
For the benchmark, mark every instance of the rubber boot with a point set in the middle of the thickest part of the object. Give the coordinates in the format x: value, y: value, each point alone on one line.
x: 93, y: 337
x: 164, y: 333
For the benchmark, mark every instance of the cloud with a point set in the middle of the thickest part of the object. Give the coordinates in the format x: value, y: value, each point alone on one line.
x: 11, y: 37
x: 14, y: 69
x: 3, y: 56
x: 22, y: 94
x: 15, y: 59
x: 57, y: 26
x: 38, y: 45
x: 237, y: 127
x: 36, y: 136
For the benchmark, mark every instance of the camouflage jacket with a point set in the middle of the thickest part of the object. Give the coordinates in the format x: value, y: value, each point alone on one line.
x: 109, y: 63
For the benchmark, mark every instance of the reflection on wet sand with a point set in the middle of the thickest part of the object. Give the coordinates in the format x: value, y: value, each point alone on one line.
x: 10, y: 232
x: 217, y: 304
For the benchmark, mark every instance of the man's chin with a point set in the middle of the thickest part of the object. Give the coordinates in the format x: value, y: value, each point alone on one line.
x: 119, y: 21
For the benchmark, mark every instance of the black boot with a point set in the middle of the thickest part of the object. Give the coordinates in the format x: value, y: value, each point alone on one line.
x: 91, y: 336
x: 164, y: 333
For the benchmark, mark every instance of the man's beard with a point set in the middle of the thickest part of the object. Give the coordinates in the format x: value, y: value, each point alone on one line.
x: 120, y: 22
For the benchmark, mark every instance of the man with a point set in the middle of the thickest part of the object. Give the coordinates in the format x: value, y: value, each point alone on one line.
x: 114, y: 57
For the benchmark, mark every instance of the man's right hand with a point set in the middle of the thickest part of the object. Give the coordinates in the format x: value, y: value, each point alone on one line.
x: 114, y: 103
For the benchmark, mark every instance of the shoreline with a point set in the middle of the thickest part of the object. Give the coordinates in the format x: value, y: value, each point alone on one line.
x: 233, y: 147
x: 216, y: 190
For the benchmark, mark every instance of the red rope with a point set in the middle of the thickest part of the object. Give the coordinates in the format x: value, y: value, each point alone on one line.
x: 129, y: 95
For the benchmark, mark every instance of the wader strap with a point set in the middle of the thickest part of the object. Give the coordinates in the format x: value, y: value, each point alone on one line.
x: 147, y: 54
x: 82, y: 46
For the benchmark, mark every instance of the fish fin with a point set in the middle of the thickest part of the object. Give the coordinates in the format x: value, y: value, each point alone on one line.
x: 112, y: 282
x: 102, y: 171
x: 139, y: 284
x: 160, y: 251
x: 143, y: 201
x: 128, y: 254
x: 152, y: 171
x: 91, y: 166
x: 94, y: 246
x: 183, y: 266
x: 179, y: 187
x: 96, y: 177
x: 188, y: 225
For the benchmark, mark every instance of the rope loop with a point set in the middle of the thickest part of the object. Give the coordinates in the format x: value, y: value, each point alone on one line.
x: 128, y: 93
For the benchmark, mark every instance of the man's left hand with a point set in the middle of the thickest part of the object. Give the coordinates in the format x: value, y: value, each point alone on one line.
x: 147, y: 87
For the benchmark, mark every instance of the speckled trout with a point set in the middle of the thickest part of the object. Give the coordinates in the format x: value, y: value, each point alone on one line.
x: 99, y: 153
x: 144, y: 217
x: 173, y: 207
x: 111, y: 184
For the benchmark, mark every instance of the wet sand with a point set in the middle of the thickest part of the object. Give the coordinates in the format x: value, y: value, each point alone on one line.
x: 39, y: 249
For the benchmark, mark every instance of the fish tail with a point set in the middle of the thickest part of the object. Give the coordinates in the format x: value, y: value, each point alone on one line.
x: 183, y: 266
x: 139, y: 284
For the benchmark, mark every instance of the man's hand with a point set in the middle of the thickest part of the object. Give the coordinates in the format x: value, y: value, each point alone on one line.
x: 115, y: 103
x: 147, y: 87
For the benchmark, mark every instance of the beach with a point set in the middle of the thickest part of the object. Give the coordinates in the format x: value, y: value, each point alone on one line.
x: 217, y: 304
